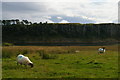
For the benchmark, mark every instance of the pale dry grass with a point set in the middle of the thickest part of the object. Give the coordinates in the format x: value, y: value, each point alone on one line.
x: 62, y: 48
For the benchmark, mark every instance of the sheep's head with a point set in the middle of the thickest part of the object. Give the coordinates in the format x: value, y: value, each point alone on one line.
x: 103, y: 47
x: 30, y: 64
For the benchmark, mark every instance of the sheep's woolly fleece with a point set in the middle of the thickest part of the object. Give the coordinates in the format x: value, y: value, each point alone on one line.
x: 23, y: 59
x: 101, y: 50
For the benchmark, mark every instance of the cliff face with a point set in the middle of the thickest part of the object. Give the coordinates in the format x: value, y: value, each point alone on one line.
x: 61, y: 33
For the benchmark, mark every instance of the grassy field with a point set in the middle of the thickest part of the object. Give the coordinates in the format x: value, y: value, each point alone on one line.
x: 63, y: 62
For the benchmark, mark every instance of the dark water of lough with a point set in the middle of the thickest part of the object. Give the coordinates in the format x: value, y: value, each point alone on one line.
x: 67, y: 44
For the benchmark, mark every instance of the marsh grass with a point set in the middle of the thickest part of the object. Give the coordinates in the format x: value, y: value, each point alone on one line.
x: 84, y: 64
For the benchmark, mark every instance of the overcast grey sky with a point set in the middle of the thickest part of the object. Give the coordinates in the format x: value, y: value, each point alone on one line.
x: 62, y: 11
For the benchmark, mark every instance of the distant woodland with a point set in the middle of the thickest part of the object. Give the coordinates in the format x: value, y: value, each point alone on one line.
x: 16, y: 31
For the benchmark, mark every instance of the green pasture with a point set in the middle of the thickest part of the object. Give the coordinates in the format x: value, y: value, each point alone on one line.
x: 62, y: 62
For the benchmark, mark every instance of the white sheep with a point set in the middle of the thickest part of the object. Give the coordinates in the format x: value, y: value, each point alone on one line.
x: 21, y: 59
x: 101, y: 50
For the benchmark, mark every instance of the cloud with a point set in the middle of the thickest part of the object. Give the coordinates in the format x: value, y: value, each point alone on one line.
x: 60, y: 0
x: 64, y: 21
x: 38, y: 12
x: 79, y: 11
x: 59, y: 17
x: 26, y: 7
x: 97, y: 11
x: 73, y: 19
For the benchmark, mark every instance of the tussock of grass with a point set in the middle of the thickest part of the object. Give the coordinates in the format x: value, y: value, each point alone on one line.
x: 45, y: 55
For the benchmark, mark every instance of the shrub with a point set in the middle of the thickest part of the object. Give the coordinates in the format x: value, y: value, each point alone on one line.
x: 7, y: 44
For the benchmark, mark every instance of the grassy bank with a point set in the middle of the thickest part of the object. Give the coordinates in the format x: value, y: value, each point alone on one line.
x: 70, y: 62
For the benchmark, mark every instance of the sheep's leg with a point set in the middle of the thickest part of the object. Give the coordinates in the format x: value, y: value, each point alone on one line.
x: 25, y: 66
x: 99, y: 53
x: 20, y: 64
